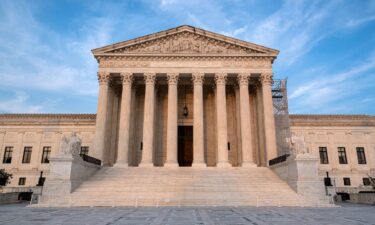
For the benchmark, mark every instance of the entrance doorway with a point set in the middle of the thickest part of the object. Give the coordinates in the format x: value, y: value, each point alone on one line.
x: 185, y: 145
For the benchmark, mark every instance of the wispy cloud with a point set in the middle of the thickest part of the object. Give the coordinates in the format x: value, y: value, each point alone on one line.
x: 321, y: 93
x: 19, y: 104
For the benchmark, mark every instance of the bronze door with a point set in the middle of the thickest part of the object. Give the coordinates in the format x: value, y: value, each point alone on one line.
x: 185, y: 145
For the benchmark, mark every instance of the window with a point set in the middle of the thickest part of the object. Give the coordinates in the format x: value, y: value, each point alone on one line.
x: 84, y: 150
x: 46, y: 154
x: 346, y: 181
x: 342, y: 155
x: 22, y: 181
x: 323, y: 155
x: 366, y: 181
x: 361, y: 155
x: 26, y: 155
x: 8, y: 155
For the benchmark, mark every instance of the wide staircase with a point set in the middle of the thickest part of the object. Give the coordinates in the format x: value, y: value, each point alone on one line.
x: 186, y: 186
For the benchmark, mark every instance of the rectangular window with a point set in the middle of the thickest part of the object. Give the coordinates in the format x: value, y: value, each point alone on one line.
x: 26, y: 154
x: 346, y: 181
x: 361, y: 155
x: 366, y: 181
x: 46, y: 154
x: 84, y: 150
x: 323, y: 155
x: 22, y: 181
x: 342, y: 155
x: 8, y: 155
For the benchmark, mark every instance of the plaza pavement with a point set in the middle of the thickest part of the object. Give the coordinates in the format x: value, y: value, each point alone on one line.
x: 19, y: 214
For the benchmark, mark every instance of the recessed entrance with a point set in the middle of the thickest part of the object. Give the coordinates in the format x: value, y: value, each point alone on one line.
x: 185, y: 145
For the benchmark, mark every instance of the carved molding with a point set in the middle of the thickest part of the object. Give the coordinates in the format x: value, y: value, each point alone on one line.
x: 198, y: 78
x: 104, y: 78
x: 127, y: 78
x: 243, y: 79
x: 150, y: 78
x: 172, y: 78
x: 214, y: 61
x: 266, y: 79
x: 220, y: 78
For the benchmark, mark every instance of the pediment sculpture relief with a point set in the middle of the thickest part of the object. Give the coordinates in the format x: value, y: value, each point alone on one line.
x: 185, y: 43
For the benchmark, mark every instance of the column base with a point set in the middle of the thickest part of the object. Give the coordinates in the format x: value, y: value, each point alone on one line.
x: 248, y: 164
x: 146, y: 165
x: 171, y: 165
x: 121, y: 165
x: 223, y: 165
x: 199, y: 165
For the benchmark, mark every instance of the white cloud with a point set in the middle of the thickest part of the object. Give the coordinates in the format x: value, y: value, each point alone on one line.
x: 321, y: 93
x: 360, y: 21
x: 19, y: 104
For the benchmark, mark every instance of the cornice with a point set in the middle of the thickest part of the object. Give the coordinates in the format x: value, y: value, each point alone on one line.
x: 185, y: 28
x: 332, y: 120
x: 47, y: 119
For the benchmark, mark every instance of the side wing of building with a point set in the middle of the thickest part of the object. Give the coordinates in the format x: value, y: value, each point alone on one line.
x: 345, y: 145
x: 27, y: 142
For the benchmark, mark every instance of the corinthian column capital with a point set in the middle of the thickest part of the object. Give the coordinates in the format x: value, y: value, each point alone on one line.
x: 220, y: 78
x: 266, y: 78
x: 104, y: 78
x: 172, y: 78
x: 198, y: 78
x: 150, y: 78
x: 243, y: 79
x: 127, y: 78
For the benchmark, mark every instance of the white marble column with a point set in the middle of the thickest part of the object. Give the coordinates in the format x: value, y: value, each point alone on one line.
x: 246, y: 139
x: 123, y: 138
x: 172, y: 121
x: 221, y: 120
x: 269, y: 118
x: 101, y: 118
x: 148, y: 120
x: 198, y: 124
x: 260, y: 125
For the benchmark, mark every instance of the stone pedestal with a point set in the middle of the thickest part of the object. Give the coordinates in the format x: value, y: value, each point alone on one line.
x: 301, y: 173
x: 67, y: 172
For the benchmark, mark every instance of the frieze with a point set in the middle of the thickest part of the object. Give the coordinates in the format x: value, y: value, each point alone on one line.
x: 119, y: 62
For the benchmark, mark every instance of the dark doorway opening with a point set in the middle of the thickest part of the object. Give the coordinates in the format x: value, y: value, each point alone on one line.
x: 185, y: 145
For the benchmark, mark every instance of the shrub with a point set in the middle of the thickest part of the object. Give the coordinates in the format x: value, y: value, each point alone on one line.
x: 4, y: 177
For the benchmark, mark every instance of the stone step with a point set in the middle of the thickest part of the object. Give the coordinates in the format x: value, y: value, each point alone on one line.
x: 161, y: 186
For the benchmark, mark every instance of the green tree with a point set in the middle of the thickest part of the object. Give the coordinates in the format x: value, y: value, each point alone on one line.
x: 4, y: 177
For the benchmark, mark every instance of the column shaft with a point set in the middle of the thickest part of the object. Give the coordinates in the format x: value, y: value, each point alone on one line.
x: 269, y: 119
x: 221, y: 121
x: 198, y: 124
x: 148, y: 121
x: 101, y: 118
x: 124, y: 132
x: 260, y: 126
x: 172, y: 121
x: 246, y: 139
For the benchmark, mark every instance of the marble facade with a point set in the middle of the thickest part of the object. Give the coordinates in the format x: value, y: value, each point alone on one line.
x: 145, y: 85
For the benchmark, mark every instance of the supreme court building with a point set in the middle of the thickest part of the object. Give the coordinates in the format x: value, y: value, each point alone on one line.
x: 185, y: 97
x: 187, y: 117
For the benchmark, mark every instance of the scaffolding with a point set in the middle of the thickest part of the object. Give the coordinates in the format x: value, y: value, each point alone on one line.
x: 280, y: 108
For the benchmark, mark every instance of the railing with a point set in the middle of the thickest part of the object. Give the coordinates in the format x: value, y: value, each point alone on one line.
x: 90, y: 159
x: 279, y: 159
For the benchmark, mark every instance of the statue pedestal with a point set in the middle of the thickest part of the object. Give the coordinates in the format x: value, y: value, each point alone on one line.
x: 301, y: 173
x: 67, y: 172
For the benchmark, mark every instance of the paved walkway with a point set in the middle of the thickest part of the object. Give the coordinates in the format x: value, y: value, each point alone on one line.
x: 18, y: 214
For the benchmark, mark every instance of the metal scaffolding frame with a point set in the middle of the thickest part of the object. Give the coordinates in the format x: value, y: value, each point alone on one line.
x: 280, y: 109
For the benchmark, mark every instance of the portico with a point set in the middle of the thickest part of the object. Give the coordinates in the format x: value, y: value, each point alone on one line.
x: 219, y: 86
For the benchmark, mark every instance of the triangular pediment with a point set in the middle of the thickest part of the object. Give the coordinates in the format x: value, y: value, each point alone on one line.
x: 185, y: 40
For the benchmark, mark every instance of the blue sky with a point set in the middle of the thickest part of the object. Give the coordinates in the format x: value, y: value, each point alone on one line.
x: 326, y: 47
